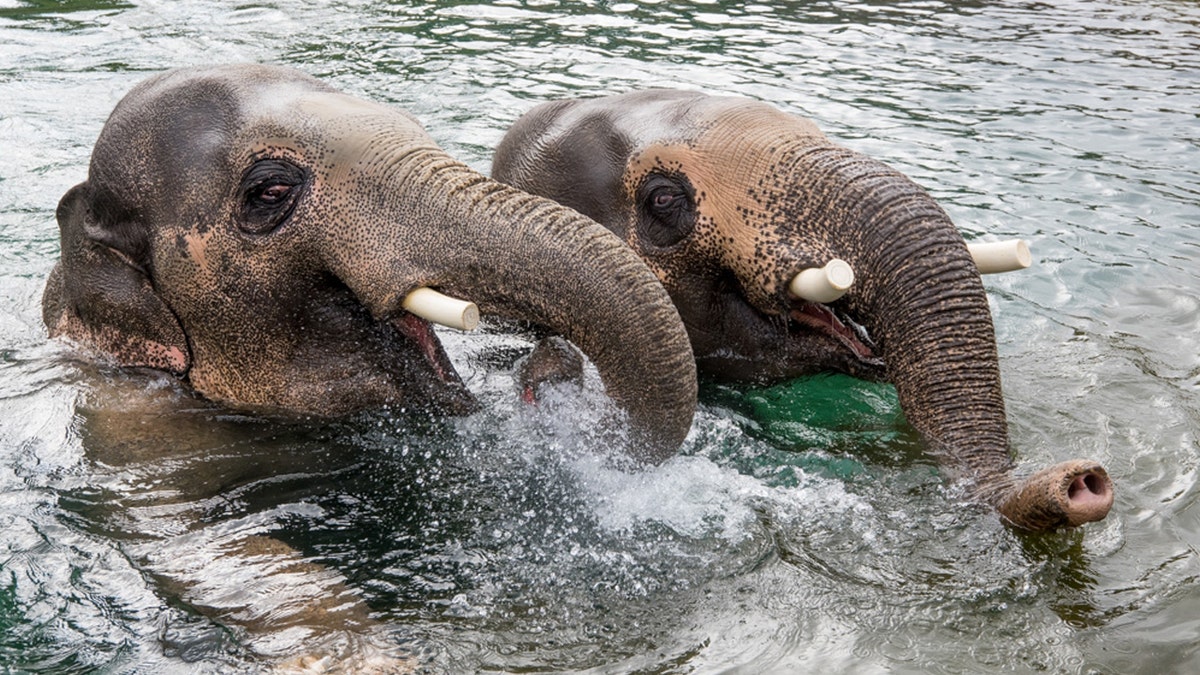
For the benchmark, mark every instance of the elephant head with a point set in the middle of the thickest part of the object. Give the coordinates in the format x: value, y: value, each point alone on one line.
x: 256, y: 231
x: 730, y: 201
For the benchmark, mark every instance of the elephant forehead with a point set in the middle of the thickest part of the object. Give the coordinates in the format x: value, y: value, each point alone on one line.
x: 349, y: 124
x: 324, y: 128
x: 338, y: 108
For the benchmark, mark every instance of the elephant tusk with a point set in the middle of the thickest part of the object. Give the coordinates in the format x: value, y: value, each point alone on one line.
x: 442, y: 309
x: 823, y: 284
x: 1001, y: 256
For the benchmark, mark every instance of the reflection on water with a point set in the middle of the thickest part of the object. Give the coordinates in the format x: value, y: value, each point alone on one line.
x: 802, y: 529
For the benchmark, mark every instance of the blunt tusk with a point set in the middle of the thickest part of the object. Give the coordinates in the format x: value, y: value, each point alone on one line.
x: 442, y: 309
x: 1001, y: 256
x: 823, y: 284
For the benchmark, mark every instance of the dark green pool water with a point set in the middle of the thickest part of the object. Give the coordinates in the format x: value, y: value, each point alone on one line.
x: 802, y: 529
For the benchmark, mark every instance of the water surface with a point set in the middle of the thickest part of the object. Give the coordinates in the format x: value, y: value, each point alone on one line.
x: 802, y: 528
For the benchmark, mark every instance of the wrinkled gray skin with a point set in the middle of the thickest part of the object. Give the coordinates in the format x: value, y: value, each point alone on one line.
x: 728, y: 199
x: 255, y: 231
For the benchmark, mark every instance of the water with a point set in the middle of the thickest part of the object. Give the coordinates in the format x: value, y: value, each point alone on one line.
x: 802, y: 528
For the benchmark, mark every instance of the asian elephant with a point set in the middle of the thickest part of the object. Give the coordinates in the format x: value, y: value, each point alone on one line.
x: 728, y: 200
x: 256, y: 232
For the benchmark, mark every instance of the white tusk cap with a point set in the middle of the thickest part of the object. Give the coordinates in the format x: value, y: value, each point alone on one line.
x: 442, y: 309
x: 823, y: 284
x: 1001, y: 256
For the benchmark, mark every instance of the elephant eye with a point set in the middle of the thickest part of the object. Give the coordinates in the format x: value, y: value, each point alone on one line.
x: 273, y: 194
x: 664, y: 198
x: 270, y: 189
x: 667, y: 209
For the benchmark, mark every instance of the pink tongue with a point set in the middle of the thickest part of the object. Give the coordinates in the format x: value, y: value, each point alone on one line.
x: 419, y: 331
x: 820, y: 317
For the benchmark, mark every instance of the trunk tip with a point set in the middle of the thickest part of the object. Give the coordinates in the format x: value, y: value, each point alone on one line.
x: 1068, y: 494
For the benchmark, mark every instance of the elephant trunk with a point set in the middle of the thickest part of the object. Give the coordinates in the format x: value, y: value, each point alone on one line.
x: 924, y: 303
x: 526, y: 257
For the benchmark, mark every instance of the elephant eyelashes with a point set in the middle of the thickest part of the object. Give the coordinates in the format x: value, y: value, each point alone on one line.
x: 270, y: 190
x: 668, y: 210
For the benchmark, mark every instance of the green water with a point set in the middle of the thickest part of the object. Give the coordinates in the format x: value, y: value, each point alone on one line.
x: 802, y: 529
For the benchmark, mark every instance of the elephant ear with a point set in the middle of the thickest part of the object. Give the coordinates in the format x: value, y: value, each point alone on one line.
x: 99, y: 295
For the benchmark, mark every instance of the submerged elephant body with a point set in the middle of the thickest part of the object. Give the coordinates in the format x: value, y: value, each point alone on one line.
x: 728, y: 200
x: 256, y: 231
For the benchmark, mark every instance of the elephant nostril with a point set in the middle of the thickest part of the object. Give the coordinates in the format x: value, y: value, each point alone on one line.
x: 1067, y: 494
x: 1086, y: 486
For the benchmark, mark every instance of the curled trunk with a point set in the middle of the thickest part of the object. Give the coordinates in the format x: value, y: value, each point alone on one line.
x: 521, y: 256
x: 923, y: 302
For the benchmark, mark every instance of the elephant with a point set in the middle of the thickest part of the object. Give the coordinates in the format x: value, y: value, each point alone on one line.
x: 257, y: 233
x: 732, y: 202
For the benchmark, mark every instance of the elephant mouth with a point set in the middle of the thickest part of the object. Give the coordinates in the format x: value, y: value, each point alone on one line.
x: 838, y: 326
x: 420, y: 333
